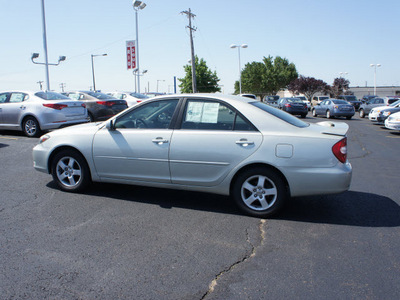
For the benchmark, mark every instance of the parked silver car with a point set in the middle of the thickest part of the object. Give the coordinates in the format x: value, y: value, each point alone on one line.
x: 33, y: 113
x: 131, y: 98
x: 226, y: 145
x: 332, y: 108
x: 366, y: 107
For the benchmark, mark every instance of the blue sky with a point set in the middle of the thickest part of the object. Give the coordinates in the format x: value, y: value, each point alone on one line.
x: 322, y: 38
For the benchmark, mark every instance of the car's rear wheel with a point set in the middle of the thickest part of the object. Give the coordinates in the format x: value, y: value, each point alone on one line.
x: 303, y: 115
x: 70, y: 171
x: 348, y: 118
x: 259, y: 192
x: 91, y: 117
x: 362, y: 113
x: 328, y: 114
x: 31, y: 127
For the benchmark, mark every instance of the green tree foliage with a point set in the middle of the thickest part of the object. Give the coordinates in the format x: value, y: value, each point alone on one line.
x: 267, y: 77
x: 206, y: 80
x: 307, y: 86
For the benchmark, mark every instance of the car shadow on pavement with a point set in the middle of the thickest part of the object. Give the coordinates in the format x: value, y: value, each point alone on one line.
x: 349, y: 208
x: 164, y: 198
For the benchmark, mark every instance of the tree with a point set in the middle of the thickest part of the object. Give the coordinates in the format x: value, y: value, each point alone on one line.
x: 308, y: 86
x: 206, y: 80
x: 339, y: 87
x: 267, y: 77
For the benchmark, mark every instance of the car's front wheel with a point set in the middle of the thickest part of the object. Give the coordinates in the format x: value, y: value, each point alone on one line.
x: 328, y: 114
x: 314, y: 113
x: 362, y: 113
x: 70, y: 171
x: 259, y: 192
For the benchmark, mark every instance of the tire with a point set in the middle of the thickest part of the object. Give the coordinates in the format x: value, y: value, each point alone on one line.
x: 362, y: 113
x: 70, y: 171
x: 348, y: 118
x: 31, y: 127
x: 91, y: 117
x: 328, y: 114
x: 303, y: 115
x: 314, y: 113
x: 259, y: 192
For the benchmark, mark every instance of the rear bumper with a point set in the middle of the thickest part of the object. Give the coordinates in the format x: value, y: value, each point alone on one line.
x: 319, y: 181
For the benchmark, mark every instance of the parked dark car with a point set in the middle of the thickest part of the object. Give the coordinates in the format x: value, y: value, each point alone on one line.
x: 332, y: 108
x: 293, y: 106
x: 100, y: 106
x: 366, y: 98
x: 352, y: 100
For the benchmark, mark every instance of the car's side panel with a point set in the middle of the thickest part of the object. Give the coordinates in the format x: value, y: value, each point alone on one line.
x: 201, y: 157
x: 132, y: 154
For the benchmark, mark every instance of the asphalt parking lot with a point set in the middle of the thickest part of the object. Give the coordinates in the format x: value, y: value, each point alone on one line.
x: 129, y: 242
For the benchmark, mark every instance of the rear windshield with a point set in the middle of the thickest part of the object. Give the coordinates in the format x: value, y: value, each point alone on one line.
x: 101, y: 96
x: 395, y: 103
x: 140, y: 96
x: 281, y: 114
x: 51, y: 96
x: 350, y: 98
x: 340, y: 102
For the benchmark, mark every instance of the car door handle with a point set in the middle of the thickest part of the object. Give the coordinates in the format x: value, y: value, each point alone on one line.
x: 160, y: 141
x: 244, y: 143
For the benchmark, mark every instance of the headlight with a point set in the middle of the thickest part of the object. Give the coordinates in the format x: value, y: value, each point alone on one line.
x: 386, y: 113
x: 44, y: 138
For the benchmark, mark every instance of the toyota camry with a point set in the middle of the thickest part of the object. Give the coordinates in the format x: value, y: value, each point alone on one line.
x: 257, y: 154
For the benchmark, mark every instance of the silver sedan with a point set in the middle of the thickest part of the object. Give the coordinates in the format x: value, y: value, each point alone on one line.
x: 227, y: 145
x: 33, y: 113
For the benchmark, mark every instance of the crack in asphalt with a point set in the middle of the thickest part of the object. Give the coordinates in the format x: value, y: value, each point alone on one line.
x: 248, y: 256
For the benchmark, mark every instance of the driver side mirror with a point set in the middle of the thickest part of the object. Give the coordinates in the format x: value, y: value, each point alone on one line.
x: 110, y: 125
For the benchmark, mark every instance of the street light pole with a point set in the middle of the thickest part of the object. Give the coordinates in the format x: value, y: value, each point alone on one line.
x: 240, y: 68
x: 375, y: 66
x: 94, y: 81
x: 45, y: 48
x: 137, y: 5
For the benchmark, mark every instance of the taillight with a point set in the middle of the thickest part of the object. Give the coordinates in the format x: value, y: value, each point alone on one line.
x: 55, y: 106
x: 106, y: 103
x: 340, y: 150
x: 83, y: 105
x: 287, y: 105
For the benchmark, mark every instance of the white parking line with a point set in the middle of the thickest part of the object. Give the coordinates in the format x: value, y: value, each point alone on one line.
x: 8, y: 138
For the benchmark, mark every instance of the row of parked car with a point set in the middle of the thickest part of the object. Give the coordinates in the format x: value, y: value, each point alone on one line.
x: 35, y: 112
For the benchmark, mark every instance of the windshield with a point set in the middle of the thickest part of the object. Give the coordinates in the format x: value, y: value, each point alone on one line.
x: 51, y: 96
x: 284, y: 116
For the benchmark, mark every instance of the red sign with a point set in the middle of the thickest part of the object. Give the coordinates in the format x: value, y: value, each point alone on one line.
x: 131, y: 54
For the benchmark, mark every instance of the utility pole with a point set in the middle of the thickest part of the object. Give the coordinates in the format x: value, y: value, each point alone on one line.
x: 40, y: 84
x: 62, y: 86
x: 190, y: 16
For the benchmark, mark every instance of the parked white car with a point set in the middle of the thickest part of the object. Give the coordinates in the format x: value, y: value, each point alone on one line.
x: 393, y: 121
x: 374, y: 114
x: 228, y: 145
x: 131, y: 98
x: 34, y: 112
